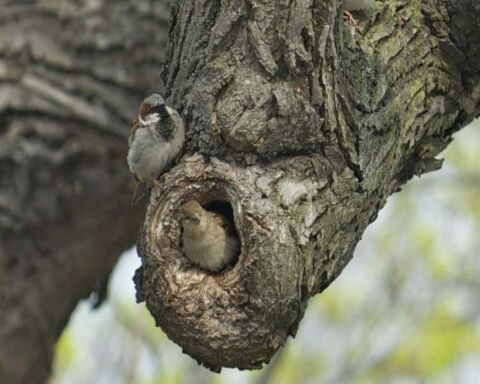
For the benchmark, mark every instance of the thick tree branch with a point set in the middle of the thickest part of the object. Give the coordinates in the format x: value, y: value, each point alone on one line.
x: 71, y: 77
x: 306, y: 126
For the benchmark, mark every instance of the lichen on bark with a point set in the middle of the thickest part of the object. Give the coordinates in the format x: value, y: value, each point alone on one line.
x: 306, y: 126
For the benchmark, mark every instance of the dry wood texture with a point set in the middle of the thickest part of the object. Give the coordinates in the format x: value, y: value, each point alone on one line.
x: 296, y: 123
x: 305, y: 127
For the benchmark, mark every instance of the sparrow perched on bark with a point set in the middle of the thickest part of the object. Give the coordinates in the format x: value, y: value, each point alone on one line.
x: 155, y: 141
x: 353, y: 6
x: 209, y: 238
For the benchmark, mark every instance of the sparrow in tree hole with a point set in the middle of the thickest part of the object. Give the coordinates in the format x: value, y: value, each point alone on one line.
x: 209, y: 238
x: 155, y: 140
x: 353, y: 6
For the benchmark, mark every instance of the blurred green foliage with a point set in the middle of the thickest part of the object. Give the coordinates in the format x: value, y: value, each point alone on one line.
x: 65, y: 350
x: 437, y: 342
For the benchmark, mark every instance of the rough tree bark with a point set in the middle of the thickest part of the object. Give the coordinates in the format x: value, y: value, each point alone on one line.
x: 72, y: 74
x: 304, y: 127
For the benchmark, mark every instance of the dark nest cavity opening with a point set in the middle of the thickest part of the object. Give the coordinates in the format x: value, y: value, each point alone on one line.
x: 222, y: 207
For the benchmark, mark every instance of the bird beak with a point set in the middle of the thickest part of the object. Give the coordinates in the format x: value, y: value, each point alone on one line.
x: 162, y: 111
x: 188, y: 214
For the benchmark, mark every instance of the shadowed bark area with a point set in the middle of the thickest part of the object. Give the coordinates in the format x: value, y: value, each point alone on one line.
x: 72, y: 75
x: 305, y: 127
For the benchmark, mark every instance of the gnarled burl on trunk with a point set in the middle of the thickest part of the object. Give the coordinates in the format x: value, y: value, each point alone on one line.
x: 298, y: 128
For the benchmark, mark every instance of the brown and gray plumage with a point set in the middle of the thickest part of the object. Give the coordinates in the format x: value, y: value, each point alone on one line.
x: 156, y: 139
x: 209, y: 238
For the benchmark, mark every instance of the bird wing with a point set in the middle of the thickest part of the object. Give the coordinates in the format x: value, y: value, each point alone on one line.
x: 133, y: 129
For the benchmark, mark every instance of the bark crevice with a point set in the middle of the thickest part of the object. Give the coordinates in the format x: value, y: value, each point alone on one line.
x: 309, y: 125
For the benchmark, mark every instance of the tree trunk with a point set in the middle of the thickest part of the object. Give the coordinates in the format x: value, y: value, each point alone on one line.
x: 304, y: 128
x: 71, y: 77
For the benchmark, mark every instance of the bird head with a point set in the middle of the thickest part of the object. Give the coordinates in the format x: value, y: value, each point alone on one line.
x: 192, y: 211
x: 152, y: 110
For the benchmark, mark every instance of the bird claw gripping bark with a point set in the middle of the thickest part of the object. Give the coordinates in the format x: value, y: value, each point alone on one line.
x: 349, y: 17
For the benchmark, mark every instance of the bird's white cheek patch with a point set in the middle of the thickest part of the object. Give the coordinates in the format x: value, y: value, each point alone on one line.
x: 151, y: 119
